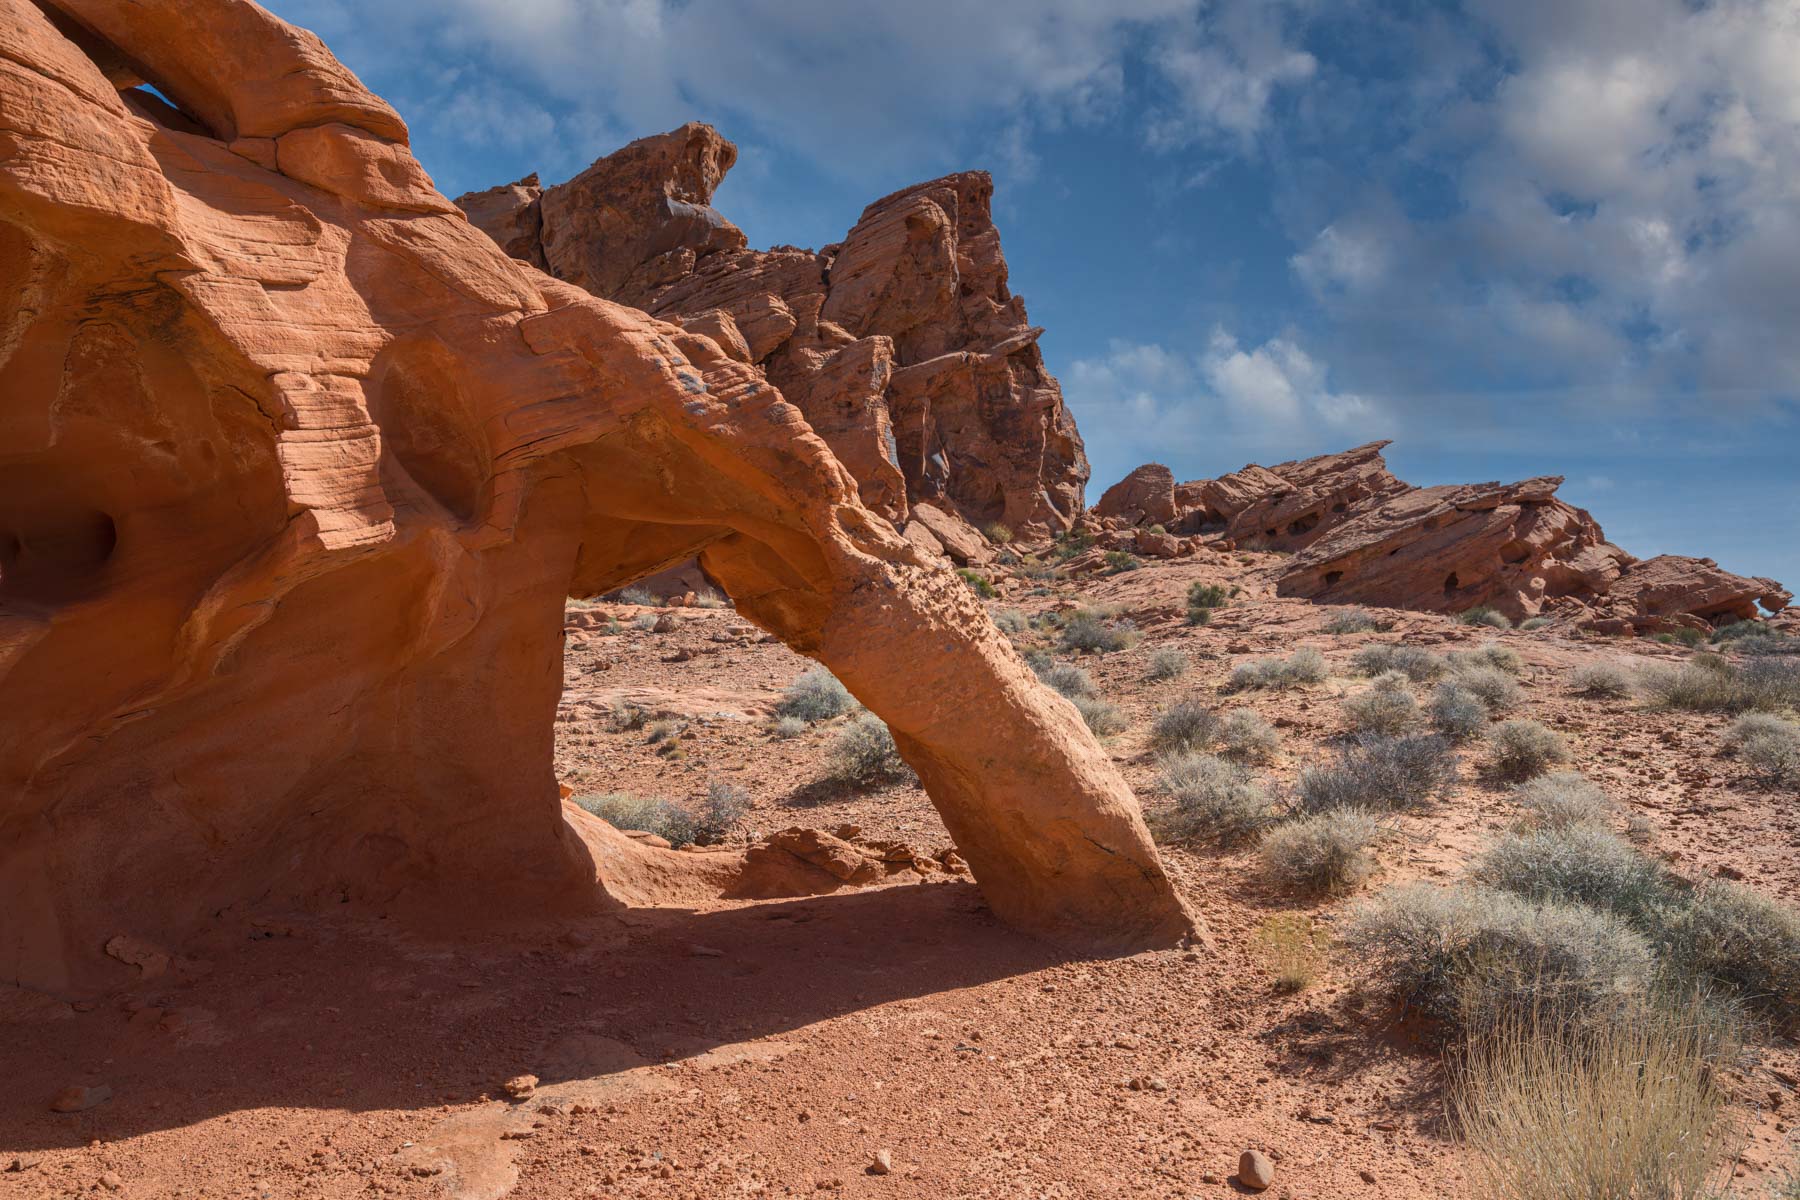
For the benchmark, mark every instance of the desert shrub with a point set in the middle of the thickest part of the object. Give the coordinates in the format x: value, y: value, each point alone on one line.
x: 1293, y: 949
x: 710, y: 598
x: 1009, y: 621
x: 645, y: 622
x: 1533, y: 624
x: 646, y: 814
x: 815, y: 695
x: 625, y: 716
x: 1521, y: 749
x: 1379, y: 775
x: 1632, y: 1104
x: 1167, y: 663
x: 1245, y: 737
x: 1470, y: 956
x: 1495, y: 689
x: 1383, y: 711
x: 1683, y: 636
x: 1561, y: 799
x: 1753, y: 724
x: 663, y: 731
x: 863, y: 752
x: 1604, y: 680
x: 1488, y: 654
x: 1456, y: 712
x: 1207, y: 595
x: 783, y: 728
x: 1481, y: 614
x: 1768, y: 745
x: 1213, y: 800
x: 997, y: 533
x: 1356, y: 620
x: 1088, y: 630
x: 1391, y: 681
x: 1325, y: 852
x: 1120, y: 561
x: 1419, y: 665
x: 1579, y: 864
x: 1067, y: 679
x: 1709, y: 683
x: 636, y: 594
x: 984, y: 587
x: 1303, y: 666
x: 1757, y: 638
x: 1103, y: 717
x: 1735, y: 937
x: 720, y: 813
x: 1188, y: 725
x: 1199, y: 616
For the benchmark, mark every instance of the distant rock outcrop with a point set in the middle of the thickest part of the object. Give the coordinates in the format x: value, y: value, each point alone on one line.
x: 902, y: 344
x: 1359, y: 535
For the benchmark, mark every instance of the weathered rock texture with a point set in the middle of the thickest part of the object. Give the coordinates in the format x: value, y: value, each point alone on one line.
x: 902, y: 344
x: 1359, y: 535
x: 296, y: 471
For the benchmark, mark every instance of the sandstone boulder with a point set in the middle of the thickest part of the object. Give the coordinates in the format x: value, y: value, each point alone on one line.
x: 296, y: 473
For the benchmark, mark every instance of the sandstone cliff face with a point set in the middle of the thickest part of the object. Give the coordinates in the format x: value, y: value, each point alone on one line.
x: 1360, y: 535
x: 296, y: 471
x: 902, y: 344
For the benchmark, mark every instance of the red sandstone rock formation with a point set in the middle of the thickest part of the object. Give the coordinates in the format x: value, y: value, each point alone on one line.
x: 296, y: 471
x: 902, y: 344
x: 1359, y: 535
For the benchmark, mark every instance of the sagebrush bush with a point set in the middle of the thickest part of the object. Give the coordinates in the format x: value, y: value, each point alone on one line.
x: 1327, y: 852
x: 1710, y: 683
x: 1167, y: 663
x: 997, y: 533
x: 1497, y: 690
x: 816, y: 695
x: 1391, y: 681
x: 1246, y: 737
x: 1580, y: 864
x: 1067, y: 679
x: 1520, y: 749
x: 1356, y: 620
x: 1379, y: 775
x: 1207, y: 595
x: 1602, y: 680
x: 636, y: 594
x: 1532, y: 624
x: 1493, y: 618
x: 1293, y: 949
x: 720, y: 813
x: 645, y: 622
x: 787, y: 727
x: 1188, y: 725
x: 1456, y: 712
x: 1303, y: 666
x: 1738, y: 938
x: 1470, y: 956
x: 982, y: 585
x: 1769, y: 746
x: 710, y: 598
x: 646, y: 814
x: 1417, y: 664
x: 1085, y: 629
x: 1213, y: 800
x: 1009, y: 621
x: 1488, y: 654
x: 1384, y: 711
x: 1561, y: 799
x: 863, y: 752
x: 1752, y: 724
x: 1103, y: 717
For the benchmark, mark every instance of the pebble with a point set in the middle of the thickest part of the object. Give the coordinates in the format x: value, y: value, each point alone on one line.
x: 520, y: 1086
x: 111, y: 1181
x: 883, y: 1163
x: 1255, y: 1171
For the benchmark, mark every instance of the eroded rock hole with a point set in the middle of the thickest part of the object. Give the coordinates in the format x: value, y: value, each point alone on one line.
x: 1451, y: 584
x: 55, y: 556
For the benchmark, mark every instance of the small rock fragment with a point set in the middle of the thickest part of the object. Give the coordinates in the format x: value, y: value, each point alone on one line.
x: 79, y: 1099
x: 883, y: 1163
x: 1255, y: 1171
x: 520, y: 1086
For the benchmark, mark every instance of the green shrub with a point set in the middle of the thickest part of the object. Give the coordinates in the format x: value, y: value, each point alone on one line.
x: 1103, y: 717
x: 863, y: 753
x: 1456, y: 712
x: 1328, y: 852
x: 1074, y: 542
x: 1088, y: 630
x: 1601, y: 680
x: 984, y: 587
x: 1245, y: 737
x: 1356, y: 620
x: 1206, y: 595
x: 1561, y: 799
x: 1199, y: 616
x: 1066, y: 679
x: 1520, y: 749
x: 1384, y: 712
x: 646, y: 622
x: 1580, y: 864
x: 1418, y: 665
x: 1379, y: 775
x: 816, y: 695
x: 1188, y: 725
x: 997, y: 533
x: 1737, y: 938
x: 1303, y: 666
x: 1120, y: 561
x: 645, y: 814
x: 1533, y: 624
x: 1472, y: 956
x: 1482, y: 614
x: 1214, y: 800
x: 1167, y: 663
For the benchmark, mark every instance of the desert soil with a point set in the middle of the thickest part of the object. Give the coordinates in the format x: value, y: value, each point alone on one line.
x: 779, y: 1047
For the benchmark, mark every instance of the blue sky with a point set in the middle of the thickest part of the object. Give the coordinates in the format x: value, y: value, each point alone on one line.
x: 1519, y: 237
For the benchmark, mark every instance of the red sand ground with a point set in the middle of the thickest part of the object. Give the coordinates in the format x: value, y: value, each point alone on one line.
x: 773, y: 1048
